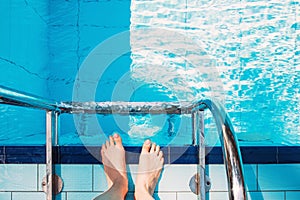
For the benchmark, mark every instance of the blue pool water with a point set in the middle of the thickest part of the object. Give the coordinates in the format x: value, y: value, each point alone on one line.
x: 244, y: 54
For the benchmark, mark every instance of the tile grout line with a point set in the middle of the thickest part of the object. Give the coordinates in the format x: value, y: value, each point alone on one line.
x: 93, y: 175
x: 169, y: 155
x: 256, y: 167
x: 38, y: 177
x: 277, y: 155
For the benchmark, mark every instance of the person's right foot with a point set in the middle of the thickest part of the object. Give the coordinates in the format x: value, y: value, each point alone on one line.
x: 113, y: 159
x: 150, y: 166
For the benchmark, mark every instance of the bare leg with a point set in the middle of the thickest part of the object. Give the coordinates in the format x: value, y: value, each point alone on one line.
x: 150, y: 166
x: 113, y: 159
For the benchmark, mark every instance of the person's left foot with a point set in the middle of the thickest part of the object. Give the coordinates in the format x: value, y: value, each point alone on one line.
x: 113, y: 159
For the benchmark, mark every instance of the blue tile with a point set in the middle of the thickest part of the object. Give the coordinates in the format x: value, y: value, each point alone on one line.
x: 250, y: 155
x: 63, y: 42
x: 18, y: 177
x: 250, y: 175
x: 105, y: 13
x: 292, y: 195
x: 287, y: 154
x: 251, y: 195
x: 2, y: 155
x: 25, y: 154
x: 184, y: 155
x: 172, y: 173
x: 186, y: 195
x: 13, y: 72
x: 100, y: 183
x: 74, y: 177
x: 156, y: 196
x: 63, y: 12
x: 90, y: 37
x: 214, y: 155
x: 218, y: 196
x: 279, y: 177
x: 40, y: 9
x: 28, y: 195
x: 61, y: 196
x: 64, y: 94
x: 5, y: 195
x: 164, y: 196
x: 82, y: 155
x: 5, y: 30
x: 259, y: 154
x: 82, y: 195
x: 29, y: 48
x: 218, y: 177
x: 79, y: 155
x: 266, y: 196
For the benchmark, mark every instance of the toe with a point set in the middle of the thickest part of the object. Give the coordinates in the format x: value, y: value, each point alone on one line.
x: 111, y: 140
x: 162, y: 160
x: 146, y: 146
x: 157, y: 150
x: 153, y: 148
x: 107, y: 143
x: 160, y: 155
x: 118, y: 140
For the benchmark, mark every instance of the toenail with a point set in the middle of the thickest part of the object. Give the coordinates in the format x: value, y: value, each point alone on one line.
x: 116, y: 135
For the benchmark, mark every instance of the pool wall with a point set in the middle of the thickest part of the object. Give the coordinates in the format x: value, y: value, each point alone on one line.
x: 23, y: 65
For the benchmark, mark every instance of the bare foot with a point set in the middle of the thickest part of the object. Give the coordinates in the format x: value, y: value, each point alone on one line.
x: 150, y: 166
x: 113, y: 159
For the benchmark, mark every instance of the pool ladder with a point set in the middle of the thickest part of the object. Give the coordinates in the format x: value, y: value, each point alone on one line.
x: 231, y: 151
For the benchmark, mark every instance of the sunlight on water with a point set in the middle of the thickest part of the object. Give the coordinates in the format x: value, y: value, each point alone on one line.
x: 252, y: 45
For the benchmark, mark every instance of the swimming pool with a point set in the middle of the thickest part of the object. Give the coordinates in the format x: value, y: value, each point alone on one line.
x: 244, y: 54
x: 253, y: 50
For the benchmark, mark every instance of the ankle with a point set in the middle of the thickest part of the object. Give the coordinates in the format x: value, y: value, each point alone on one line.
x: 121, y: 185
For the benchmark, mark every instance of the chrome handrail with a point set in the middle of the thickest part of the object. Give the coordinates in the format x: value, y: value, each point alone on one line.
x: 15, y: 97
x: 231, y: 151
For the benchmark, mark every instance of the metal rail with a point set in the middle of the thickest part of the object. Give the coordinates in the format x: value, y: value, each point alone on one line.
x: 14, y: 97
x: 17, y: 98
x: 231, y: 152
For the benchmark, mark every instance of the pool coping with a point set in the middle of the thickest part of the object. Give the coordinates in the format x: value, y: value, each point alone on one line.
x: 172, y: 154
